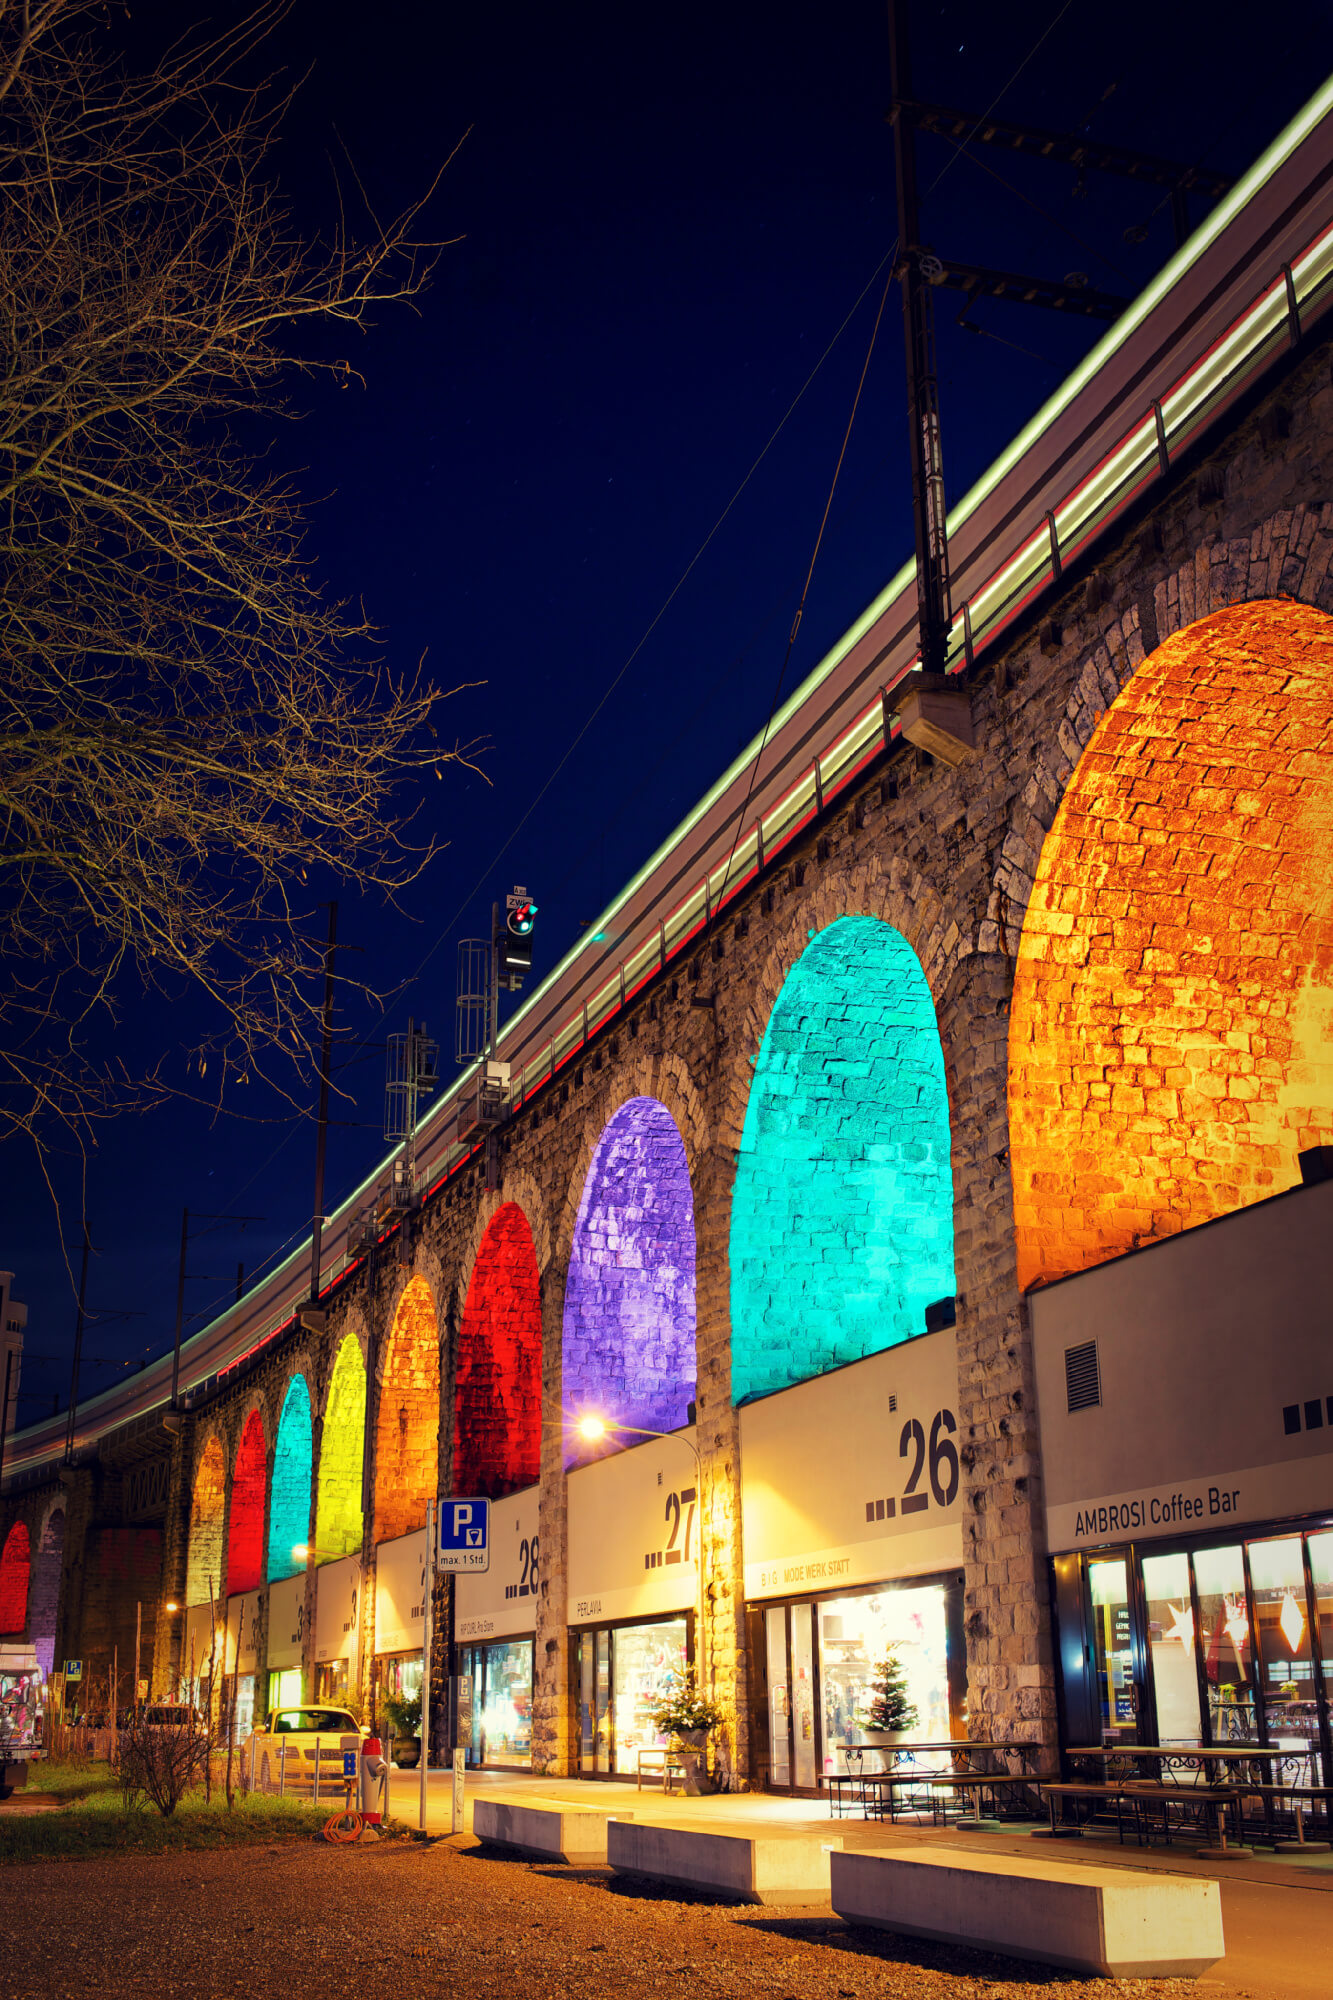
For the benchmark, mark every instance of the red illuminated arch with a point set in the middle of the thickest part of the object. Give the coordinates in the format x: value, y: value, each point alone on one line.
x: 15, y: 1565
x: 498, y: 1397
x: 1170, y: 1032
x: 245, y: 1536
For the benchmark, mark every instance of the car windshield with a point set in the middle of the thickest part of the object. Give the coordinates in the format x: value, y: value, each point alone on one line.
x: 314, y: 1719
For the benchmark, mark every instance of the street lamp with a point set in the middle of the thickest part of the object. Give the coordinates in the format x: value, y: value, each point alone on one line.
x: 593, y: 1429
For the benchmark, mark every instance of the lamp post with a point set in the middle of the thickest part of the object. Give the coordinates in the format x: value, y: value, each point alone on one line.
x: 593, y: 1429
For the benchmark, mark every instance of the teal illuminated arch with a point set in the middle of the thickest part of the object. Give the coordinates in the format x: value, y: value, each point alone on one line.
x: 842, y: 1210
x: 289, y: 1497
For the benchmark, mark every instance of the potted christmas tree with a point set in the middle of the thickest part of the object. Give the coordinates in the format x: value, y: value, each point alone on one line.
x: 689, y: 1718
x: 891, y: 1714
x: 402, y: 1712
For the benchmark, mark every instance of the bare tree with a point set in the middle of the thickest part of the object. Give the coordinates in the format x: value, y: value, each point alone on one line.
x: 189, y: 726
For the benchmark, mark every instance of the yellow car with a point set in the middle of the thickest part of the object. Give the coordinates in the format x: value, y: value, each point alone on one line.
x: 301, y: 1749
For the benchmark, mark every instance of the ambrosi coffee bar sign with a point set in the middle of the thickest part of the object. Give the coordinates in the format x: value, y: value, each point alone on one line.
x: 1184, y: 1390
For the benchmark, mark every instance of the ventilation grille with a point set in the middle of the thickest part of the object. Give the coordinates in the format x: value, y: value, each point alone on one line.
x: 1083, y: 1380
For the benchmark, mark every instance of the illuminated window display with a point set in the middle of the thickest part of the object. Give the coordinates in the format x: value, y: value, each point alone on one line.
x: 284, y: 1689
x: 842, y: 1213
x: 501, y: 1702
x: 1214, y: 1644
x: 623, y: 1672
x: 822, y: 1658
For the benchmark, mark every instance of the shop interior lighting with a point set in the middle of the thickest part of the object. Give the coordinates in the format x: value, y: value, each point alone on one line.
x: 1237, y: 1626
x: 1292, y: 1621
x: 1182, y: 1625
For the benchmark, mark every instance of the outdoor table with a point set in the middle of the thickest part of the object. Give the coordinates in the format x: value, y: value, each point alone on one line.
x: 1142, y: 1794
x: 1186, y: 1756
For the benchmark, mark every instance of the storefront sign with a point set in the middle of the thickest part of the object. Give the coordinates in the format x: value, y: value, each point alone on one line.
x: 854, y: 1478
x: 504, y: 1600
x: 400, y: 1594
x: 337, y: 1609
x: 242, y: 1622
x: 1201, y: 1378
x: 633, y: 1533
x: 286, y: 1623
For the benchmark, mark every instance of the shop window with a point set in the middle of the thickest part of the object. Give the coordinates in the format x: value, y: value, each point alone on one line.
x: 284, y: 1689
x: 1282, y: 1626
x: 331, y: 1681
x: 842, y: 1210
x: 647, y: 1658
x: 1224, y: 1634
x: 1321, y: 1575
x: 502, y: 1703
x: 1113, y: 1649
x: 595, y: 1701
x: 1171, y: 1648
x: 779, y: 1694
x: 856, y: 1634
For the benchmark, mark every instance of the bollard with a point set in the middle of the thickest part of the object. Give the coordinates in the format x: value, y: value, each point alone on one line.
x: 374, y: 1777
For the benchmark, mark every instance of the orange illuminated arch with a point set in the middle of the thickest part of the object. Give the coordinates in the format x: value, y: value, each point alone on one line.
x: 1170, y: 1036
x: 208, y: 1502
x: 407, y: 1433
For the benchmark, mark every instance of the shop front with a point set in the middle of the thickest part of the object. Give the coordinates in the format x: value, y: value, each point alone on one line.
x: 633, y: 1549
x: 494, y: 1618
x: 1186, y: 1429
x: 337, y: 1616
x: 853, y: 1556
x: 286, y: 1638
x: 400, y: 1615
x: 240, y: 1661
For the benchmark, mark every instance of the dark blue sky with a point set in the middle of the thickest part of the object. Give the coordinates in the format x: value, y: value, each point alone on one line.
x: 665, y: 218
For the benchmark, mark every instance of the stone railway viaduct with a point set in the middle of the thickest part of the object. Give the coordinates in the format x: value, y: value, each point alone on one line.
x: 1226, y: 559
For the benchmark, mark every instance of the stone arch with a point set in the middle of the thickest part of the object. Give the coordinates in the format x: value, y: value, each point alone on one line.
x: 498, y: 1383
x: 245, y: 1523
x: 883, y: 886
x: 1173, y: 997
x: 842, y: 1206
x: 47, y: 1571
x: 289, y: 1493
x: 666, y: 1078
x: 1290, y: 554
x: 15, y: 1570
x: 339, y: 1519
x: 208, y: 1504
x: 629, y: 1317
x: 407, y: 1431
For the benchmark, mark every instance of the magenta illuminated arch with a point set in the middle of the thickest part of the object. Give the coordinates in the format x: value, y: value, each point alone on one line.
x: 629, y: 1300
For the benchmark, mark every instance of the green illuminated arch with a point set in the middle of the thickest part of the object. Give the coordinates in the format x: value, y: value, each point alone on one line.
x: 289, y: 1498
x: 338, y: 1518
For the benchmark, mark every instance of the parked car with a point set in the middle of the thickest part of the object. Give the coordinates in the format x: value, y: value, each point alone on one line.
x: 297, y: 1742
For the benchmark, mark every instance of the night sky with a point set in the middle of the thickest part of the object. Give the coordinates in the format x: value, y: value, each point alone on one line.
x: 666, y: 216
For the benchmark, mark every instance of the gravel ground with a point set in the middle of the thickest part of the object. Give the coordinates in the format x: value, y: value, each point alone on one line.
x: 442, y: 1919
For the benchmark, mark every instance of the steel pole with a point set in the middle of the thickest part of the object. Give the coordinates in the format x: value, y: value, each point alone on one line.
x: 923, y: 406
x: 427, y: 1609
x: 78, y: 1350
x: 4, y: 1411
x: 322, y: 1129
x: 180, y: 1307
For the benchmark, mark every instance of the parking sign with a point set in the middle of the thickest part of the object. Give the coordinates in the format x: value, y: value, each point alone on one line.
x: 465, y: 1532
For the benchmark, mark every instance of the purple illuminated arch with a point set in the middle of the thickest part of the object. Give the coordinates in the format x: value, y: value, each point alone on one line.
x: 629, y: 1299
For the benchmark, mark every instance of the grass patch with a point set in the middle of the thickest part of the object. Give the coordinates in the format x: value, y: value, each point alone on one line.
x: 97, y: 1823
x: 70, y: 1777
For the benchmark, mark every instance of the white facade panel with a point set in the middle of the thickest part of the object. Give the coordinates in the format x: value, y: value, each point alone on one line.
x: 286, y: 1622
x: 337, y: 1601
x: 1216, y: 1387
x: 633, y: 1533
x: 854, y: 1477
x: 502, y: 1603
x: 400, y: 1594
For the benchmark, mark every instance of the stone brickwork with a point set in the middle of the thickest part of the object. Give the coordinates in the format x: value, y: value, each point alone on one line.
x: 949, y: 860
x: 407, y: 1427
x: 498, y: 1393
x: 339, y: 1512
x: 245, y: 1533
x: 290, y: 1481
x: 842, y: 1212
x: 208, y: 1506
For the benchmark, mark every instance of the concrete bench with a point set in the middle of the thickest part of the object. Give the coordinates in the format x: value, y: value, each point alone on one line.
x: 738, y: 1865
x: 1122, y: 1923
x: 554, y: 1832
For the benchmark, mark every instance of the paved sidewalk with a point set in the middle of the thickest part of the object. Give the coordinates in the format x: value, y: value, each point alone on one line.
x: 1277, y: 1911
